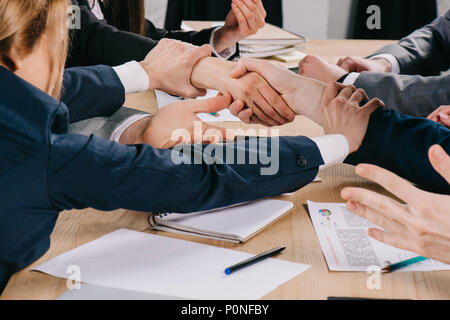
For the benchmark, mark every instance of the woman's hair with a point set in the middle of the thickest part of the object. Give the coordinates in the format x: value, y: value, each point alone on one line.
x: 22, y: 25
x: 126, y: 15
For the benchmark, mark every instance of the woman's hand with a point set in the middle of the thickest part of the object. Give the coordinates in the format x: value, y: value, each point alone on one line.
x: 178, y: 123
x: 245, y: 18
x: 341, y: 113
x: 423, y: 226
x: 441, y: 116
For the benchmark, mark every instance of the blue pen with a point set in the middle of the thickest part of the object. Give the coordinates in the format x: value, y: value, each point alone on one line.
x: 403, y: 264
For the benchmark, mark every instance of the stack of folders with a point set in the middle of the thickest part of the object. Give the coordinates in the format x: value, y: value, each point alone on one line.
x: 233, y: 224
x: 271, y: 41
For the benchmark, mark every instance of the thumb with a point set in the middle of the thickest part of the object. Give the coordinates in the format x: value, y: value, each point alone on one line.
x: 440, y: 161
x: 249, y: 65
x: 215, y: 104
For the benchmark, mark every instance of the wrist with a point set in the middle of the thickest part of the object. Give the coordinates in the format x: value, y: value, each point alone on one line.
x: 212, y: 73
x: 384, y: 64
x: 224, y: 38
x: 152, y: 75
x: 134, y: 134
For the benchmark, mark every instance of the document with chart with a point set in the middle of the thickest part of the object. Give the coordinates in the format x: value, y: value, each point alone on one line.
x: 347, y: 247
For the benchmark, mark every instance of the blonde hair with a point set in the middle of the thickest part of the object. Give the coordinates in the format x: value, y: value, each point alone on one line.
x: 22, y: 25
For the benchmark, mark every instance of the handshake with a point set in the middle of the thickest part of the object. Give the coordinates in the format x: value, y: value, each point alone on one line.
x: 256, y: 91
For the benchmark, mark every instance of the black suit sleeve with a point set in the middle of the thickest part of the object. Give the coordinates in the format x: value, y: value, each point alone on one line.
x: 197, y: 38
x: 400, y: 144
x: 99, y: 43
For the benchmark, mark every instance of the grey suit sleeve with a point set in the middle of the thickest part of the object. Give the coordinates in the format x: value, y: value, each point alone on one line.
x: 426, y: 51
x: 412, y: 95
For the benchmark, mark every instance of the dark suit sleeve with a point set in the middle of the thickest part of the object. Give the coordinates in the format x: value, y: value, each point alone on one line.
x: 426, y: 51
x: 400, y: 144
x: 413, y: 95
x: 91, y: 172
x: 197, y: 38
x: 99, y: 43
x: 91, y: 92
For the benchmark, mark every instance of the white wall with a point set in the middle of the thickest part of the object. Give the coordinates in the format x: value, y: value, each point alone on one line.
x: 319, y: 19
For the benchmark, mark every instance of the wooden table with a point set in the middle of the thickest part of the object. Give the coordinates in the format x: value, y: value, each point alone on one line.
x: 295, y: 231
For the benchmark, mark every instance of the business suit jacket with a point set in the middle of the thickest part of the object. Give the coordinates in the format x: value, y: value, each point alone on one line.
x: 400, y: 143
x: 44, y: 170
x: 420, y: 88
x: 100, y: 43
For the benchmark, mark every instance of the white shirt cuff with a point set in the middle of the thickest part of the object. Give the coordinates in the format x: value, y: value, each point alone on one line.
x: 333, y: 148
x: 225, y: 54
x: 393, y: 60
x: 351, y: 78
x: 133, y: 77
x: 126, y: 124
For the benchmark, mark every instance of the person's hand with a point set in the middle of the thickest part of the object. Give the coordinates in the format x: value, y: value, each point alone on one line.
x: 169, y: 67
x: 341, y: 113
x: 249, y: 87
x: 441, y: 116
x: 178, y: 123
x: 245, y: 18
x: 358, y: 64
x: 302, y: 95
x: 423, y: 226
x: 317, y: 68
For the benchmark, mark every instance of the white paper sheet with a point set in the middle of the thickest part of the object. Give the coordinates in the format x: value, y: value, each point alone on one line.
x: 225, y: 115
x: 143, y: 262
x: 347, y: 247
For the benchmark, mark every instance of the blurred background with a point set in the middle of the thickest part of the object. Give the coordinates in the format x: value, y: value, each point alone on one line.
x: 316, y: 19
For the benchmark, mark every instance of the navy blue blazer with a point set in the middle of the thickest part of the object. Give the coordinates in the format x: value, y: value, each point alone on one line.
x: 400, y: 143
x: 44, y: 170
x: 83, y: 87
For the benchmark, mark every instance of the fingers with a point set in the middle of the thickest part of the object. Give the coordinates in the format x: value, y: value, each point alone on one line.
x: 196, y: 55
x: 347, y: 64
x: 393, y: 239
x: 240, y: 17
x: 331, y: 91
x: 434, y: 114
x: 444, y: 119
x: 248, y: 8
x: 239, y: 110
x: 374, y: 207
x: 391, y: 182
x: 347, y: 92
x: 261, y: 8
x: 269, y: 110
x: 209, y: 105
x: 358, y: 96
x: 440, y: 161
x: 277, y: 103
x: 246, y: 65
x: 372, y: 106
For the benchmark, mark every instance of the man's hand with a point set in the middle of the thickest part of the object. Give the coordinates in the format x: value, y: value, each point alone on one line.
x: 250, y: 88
x: 441, y: 116
x: 423, y: 226
x: 174, y: 125
x: 341, y: 113
x: 245, y: 18
x: 169, y: 67
x: 357, y: 64
x: 317, y: 68
x: 302, y: 95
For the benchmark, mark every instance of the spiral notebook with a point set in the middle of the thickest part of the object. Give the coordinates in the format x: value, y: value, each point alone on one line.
x: 233, y: 224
